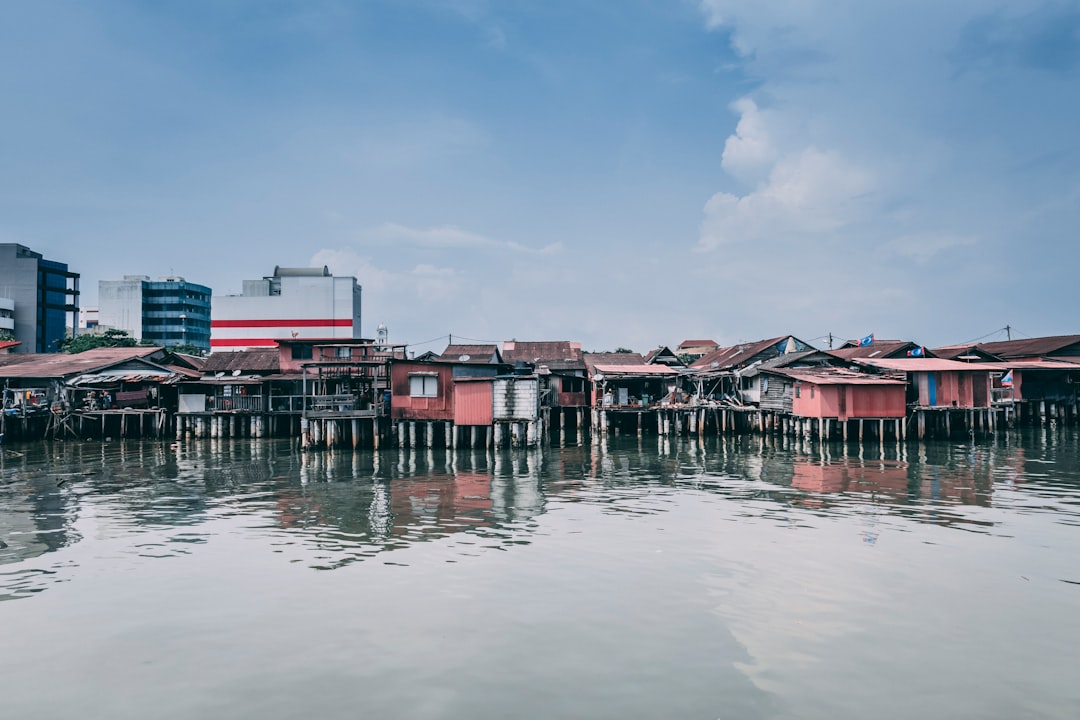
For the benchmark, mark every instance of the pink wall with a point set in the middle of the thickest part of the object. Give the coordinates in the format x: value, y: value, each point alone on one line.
x: 849, y: 401
x: 954, y: 388
x: 473, y: 402
x: 405, y: 407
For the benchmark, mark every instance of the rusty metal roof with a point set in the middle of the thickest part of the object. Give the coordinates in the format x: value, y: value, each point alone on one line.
x: 258, y: 360
x: 970, y: 351
x: 61, y: 365
x: 557, y: 355
x: 880, y: 349
x: 907, y: 364
x: 612, y: 358
x: 688, y: 344
x: 634, y: 370
x: 734, y: 356
x: 1035, y: 347
x: 472, y: 354
x: 835, y: 376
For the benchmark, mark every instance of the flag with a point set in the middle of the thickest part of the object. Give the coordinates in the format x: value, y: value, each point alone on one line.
x: 917, y: 352
x: 868, y: 340
x: 1006, y: 379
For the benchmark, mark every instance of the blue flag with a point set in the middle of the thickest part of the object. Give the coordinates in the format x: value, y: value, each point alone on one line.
x: 868, y: 340
x: 917, y: 352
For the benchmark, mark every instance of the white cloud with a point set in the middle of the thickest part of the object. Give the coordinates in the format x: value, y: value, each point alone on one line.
x: 922, y: 247
x: 449, y: 237
x: 436, y: 284
x: 807, y: 193
x: 372, y: 278
x: 749, y: 153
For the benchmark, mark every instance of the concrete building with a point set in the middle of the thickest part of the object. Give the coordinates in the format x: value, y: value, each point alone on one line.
x: 304, y: 303
x: 42, y: 294
x: 7, y: 317
x: 166, y: 312
x: 88, y: 318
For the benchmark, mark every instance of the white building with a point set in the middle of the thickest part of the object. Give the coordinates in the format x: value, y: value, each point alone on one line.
x: 168, y: 311
x: 291, y: 303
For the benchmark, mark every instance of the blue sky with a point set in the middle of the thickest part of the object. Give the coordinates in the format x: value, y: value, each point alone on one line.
x: 621, y: 173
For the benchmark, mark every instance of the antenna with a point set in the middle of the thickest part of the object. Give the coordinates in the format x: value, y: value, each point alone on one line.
x: 1008, y: 332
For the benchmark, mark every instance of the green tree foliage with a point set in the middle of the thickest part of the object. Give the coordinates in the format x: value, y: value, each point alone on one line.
x: 188, y: 349
x: 109, y: 338
x: 6, y: 335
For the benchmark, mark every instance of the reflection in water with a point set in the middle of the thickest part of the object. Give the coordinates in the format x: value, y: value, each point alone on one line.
x: 329, y: 510
x: 732, y: 577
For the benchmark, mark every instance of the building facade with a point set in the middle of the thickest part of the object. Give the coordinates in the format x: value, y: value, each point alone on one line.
x: 42, y: 294
x: 302, y: 303
x: 169, y: 311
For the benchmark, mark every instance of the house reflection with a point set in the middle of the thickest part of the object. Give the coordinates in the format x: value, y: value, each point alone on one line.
x: 894, y: 482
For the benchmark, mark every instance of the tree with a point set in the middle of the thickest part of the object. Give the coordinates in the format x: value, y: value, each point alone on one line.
x: 110, y: 338
x: 188, y: 349
x: 6, y: 335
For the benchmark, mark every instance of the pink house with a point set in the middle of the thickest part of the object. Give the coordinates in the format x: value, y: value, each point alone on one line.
x: 844, y: 394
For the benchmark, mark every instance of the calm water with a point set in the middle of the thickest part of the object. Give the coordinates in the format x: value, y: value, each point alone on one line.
x: 724, y: 580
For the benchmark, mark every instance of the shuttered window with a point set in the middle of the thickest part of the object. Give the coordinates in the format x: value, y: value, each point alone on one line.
x: 423, y: 386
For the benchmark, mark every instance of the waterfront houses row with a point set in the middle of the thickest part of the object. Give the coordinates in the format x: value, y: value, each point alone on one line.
x: 342, y: 392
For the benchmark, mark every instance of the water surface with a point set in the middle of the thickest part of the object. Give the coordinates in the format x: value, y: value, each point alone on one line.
x: 655, y: 579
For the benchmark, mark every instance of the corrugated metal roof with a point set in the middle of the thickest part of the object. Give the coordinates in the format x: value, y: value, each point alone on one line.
x: 734, y: 356
x: 612, y: 358
x: 971, y: 350
x: 121, y: 376
x: 259, y: 360
x: 557, y: 355
x: 835, y: 376
x: 1034, y: 347
x: 476, y: 354
x: 879, y: 349
x: 61, y: 365
x: 922, y: 364
x: 693, y: 344
x: 632, y: 370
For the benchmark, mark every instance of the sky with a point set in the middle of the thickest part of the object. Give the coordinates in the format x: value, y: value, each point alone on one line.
x: 624, y: 173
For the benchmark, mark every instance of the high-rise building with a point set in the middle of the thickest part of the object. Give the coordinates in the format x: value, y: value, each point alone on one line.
x: 168, y: 311
x: 42, y: 293
x: 291, y: 303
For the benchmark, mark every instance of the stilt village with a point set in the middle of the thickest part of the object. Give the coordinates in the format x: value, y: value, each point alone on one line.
x: 368, y: 393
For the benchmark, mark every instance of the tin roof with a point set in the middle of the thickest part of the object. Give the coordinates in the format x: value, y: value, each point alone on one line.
x: 5, y: 344
x: 970, y: 351
x: 60, y: 365
x: 258, y: 360
x: 835, y: 376
x: 1035, y: 347
x: 472, y: 354
x: 557, y: 355
x: 880, y: 349
x: 907, y: 364
x: 688, y: 344
x: 613, y: 358
x: 634, y: 370
x: 734, y: 356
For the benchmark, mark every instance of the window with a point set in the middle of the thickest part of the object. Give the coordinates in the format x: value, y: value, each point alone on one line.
x: 343, y: 351
x: 798, y: 390
x: 424, y: 385
x: 301, y: 352
x: 811, y: 392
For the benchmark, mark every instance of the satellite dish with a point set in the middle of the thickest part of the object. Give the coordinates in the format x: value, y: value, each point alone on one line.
x: 598, y: 377
x: 715, y: 364
x: 235, y: 372
x: 220, y: 374
x: 465, y: 358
